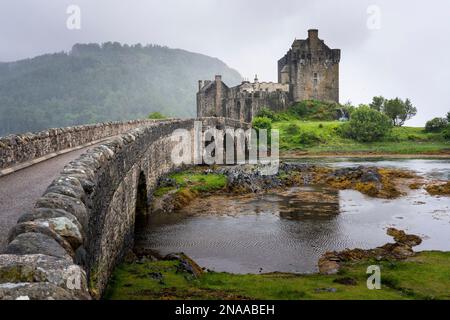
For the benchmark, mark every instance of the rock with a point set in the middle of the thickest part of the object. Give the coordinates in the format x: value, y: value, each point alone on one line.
x: 66, y: 203
x: 47, y: 213
x: 157, y: 276
x: 442, y: 189
x: 319, y: 290
x: 402, y: 251
x: 329, y: 263
x: 346, y: 281
x: 130, y: 257
x: 67, y: 190
x: 186, y: 264
x: 328, y: 267
x: 62, y: 222
x: 370, y: 175
x: 36, y: 243
x: 39, y: 227
x: 35, y: 291
x: 41, y: 269
x: 167, y: 182
x: 401, y: 237
x: 81, y: 256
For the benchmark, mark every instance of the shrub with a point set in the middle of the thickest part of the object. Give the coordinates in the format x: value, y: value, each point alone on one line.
x: 366, y: 125
x: 156, y: 115
x: 292, y: 129
x: 436, y: 125
x: 308, y: 138
x: 259, y: 123
x: 262, y: 123
x: 315, y: 110
x: 267, y: 113
x: 446, y: 132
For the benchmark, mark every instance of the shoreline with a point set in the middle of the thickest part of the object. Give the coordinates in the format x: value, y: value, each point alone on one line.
x: 360, y: 155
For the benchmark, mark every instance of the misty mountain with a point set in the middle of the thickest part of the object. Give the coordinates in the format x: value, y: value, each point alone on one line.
x: 95, y: 83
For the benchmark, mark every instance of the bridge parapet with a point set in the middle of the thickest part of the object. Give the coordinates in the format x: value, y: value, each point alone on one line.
x: 17, y: 150
x: 82, y: 226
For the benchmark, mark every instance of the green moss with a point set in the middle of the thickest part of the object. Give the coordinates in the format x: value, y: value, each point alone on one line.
x: 162, y: 191
x: 425, y: 276
x: 194, y: 182
x: 200, y: 181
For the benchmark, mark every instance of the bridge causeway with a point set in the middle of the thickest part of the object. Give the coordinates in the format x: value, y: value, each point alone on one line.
x: 76, y: 211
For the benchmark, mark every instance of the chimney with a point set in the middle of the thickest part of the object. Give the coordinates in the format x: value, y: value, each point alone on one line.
x: 218, y: 78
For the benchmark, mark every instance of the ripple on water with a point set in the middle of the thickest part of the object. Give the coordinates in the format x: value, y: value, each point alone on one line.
x: 287, y: 232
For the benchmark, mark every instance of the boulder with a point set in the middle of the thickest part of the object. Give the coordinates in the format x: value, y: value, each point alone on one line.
x: 58, y: 201
x: 36, y: 243
x: 39, y: 270
x: 39, y: 227
x: 34, y: 291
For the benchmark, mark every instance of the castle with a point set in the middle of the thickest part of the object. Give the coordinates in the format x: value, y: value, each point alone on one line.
x: 309, y: 70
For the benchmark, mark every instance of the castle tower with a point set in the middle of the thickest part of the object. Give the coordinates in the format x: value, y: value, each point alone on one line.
x: 311, y: 69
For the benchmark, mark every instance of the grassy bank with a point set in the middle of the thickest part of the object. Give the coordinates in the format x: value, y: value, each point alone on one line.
x: 316, y: 137
x: 424, y: 276
x: 192, y: 182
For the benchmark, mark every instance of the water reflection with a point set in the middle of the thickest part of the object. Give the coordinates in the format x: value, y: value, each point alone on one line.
x: 288, y: 231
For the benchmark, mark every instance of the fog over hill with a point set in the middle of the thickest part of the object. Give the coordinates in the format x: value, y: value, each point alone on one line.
x: 94, y: 83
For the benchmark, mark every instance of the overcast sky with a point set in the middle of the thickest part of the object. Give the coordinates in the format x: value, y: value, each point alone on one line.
x: 389, y: 48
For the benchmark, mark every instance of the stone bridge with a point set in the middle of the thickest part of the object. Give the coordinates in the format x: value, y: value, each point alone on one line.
x: 67, y: 242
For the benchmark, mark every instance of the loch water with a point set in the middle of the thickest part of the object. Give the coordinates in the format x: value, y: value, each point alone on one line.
x: 288, y: 231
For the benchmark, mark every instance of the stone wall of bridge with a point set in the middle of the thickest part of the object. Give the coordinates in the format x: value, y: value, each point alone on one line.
x: 17, y: 149
x: 82, y: 226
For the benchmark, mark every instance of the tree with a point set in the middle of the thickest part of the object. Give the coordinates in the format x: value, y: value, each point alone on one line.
x: 398, y: 110
x: 366, y: 125
x: 409, y: 111
x: 436, y: 125
x: 377, y: 103
x: 448, y: 116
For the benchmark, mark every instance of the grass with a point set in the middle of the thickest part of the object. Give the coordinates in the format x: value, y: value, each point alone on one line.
x: 194, y: 182
x: 425, y: 276
x: 322, y: 137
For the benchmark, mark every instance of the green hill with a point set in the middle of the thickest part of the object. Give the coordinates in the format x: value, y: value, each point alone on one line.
x: 94, y: 83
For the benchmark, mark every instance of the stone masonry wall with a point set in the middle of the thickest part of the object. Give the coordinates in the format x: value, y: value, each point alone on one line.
x: 17, y: 149
x: 67, y: 247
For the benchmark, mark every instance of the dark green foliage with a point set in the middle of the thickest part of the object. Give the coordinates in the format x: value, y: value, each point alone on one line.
x: 156, y: 115
x: 308, y: 138
x: 366, y: 125
x: 377, y: 103
x: 448, y: 116
x: 266, y: 112
x: 95, y: 83
x: 315, y: 110
x: 259, y: 123
x: 262, y: 123
x: 436, y: 125
x: 396, y: 109
x: 292, y: 129
x: 446, y: 132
